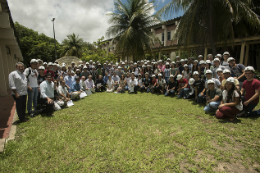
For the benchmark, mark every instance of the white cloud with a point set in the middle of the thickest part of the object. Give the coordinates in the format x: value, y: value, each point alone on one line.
x: 86, y: 18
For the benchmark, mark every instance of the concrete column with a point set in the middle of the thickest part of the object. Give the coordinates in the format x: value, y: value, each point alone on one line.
x: 3, y: 88
x: 5, y: 66
x: 205, y: 53
x: 165, y: 35
x: 242, y: 53
x: 247, y: 54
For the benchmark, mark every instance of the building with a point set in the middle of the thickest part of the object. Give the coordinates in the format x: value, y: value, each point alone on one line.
x: 244, y: 50
x: 10, y: 52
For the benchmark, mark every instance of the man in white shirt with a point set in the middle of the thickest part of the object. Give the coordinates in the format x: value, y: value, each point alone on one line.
x: 132, y: 84
x: 116, y: 79
x: 62, y: 90
x: 18, y: 85
x: 47, y: 93
x: 82, y: 83
x: 32, y: 74
x: 90, y: 84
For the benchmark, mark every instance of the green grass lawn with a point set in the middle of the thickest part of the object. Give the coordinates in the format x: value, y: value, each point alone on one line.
x: 109, y: 132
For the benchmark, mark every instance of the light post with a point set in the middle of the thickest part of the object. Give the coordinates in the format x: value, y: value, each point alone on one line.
x: 54, y: 38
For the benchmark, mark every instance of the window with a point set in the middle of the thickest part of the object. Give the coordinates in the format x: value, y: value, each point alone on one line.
x: 162, y: 36
x: 169, y: 35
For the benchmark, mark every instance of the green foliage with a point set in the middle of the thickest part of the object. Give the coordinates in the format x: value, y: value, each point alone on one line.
x: 95, y: 53
x: 35, y: 45
x: 209, y: 22
x: 130, y: 27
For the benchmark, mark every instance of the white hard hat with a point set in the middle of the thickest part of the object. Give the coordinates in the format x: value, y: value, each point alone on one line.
x: 219, y: 70
x: 230, y: 59
x: 230, y: 79
x: 210, y: 81
x: 41, y: 68
x: 226, y: 53
x: 159, y: 74
x: 191, y: 81
x: 250, y: 68
x: 33, y: 61
x: 195, y: 73
x: 208, y: 61
x: 185, y: 65
x: 226, y: 71
x: 208, y: 72
x: 216, y: 59
x: 179, y: 76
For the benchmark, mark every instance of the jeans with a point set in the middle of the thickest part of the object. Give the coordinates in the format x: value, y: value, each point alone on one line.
x: 249, y: 110
x: 20, y: 106
x: 212, y: 106
x: 126, y: 87
x: 143, y: 89
x: 201, y: 99
x: 183, y: 92
x: 169, y: 92
x: 32, y: 98
x: 166, y: 79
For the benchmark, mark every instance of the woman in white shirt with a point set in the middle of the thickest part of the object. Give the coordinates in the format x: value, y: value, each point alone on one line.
x: 110, y: 84
x: 231, y: 103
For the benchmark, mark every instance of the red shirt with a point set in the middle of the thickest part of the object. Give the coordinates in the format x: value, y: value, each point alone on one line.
x: 250, y: 87
x: 183, y: 82
x: 49, y: 71
x: 154, y: 81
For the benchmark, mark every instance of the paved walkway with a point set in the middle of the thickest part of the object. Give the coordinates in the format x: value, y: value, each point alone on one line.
x: 7, y: 110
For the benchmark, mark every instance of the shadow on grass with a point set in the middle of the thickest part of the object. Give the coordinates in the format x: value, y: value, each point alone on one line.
x: 236, y: 121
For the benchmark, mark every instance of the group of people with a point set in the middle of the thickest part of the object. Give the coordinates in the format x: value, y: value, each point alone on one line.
x: 228, y: 89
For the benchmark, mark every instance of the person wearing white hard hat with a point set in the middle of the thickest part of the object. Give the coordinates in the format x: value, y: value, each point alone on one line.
x: 198, y: 86
x: 220, y: 74
x: 40, y: 79
x: 32, y: 74
x: 191, y: 93
x: 49, y: 70
x: 224, y: 61
x: 186, y: 73
x: 200, y: 58
x: 78, y: 73
x: 132, y: 87
x: 90, y: 84
x: 93, y: 72
x: 209, y: 66
x: 210, y: 57
x: 174, y: 71
x: 45, y: 65
x: 85, y: 72
x: 183, y: 86
x: 250, y: 90
x: 217, y: 65
x: 136, y: 70
x: 69, y: 80
x: 100, y: 84
x: 63, y: 71
x: 160, y: 86
x: 181, y: 67
x: 110, y: 84
x: 167, y: 72
x: 195, y: 66
x: 116, y: 80
x: 202, y: 65
x: 213, y: 98
x: 231, y: 103
x: 227, y: 74
x: 146, y: 83
x: 153, y: 83
x: 161, y: 66
x: 237, y: 71
x: 171, y: 87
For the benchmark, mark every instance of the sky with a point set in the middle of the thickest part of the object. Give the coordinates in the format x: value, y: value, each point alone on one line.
x: 86, y: 18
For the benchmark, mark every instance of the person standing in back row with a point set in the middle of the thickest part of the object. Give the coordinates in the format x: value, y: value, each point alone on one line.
x: 32, y: 74
x: 18, y: 85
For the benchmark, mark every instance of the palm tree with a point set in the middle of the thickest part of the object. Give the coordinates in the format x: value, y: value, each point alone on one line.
x: 207, y: 21
x: 72, y: 46
x: 130, y: 27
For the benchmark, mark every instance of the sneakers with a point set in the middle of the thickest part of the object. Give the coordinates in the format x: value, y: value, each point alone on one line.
x: 241, y: 114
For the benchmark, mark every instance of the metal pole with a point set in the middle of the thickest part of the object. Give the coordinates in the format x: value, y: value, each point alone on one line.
x: 54, y: 39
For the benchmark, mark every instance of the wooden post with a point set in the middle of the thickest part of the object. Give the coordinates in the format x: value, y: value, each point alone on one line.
x: 242, y: 53
x: 205, y: 53
x: 247, y: 54
x: 160, y: 55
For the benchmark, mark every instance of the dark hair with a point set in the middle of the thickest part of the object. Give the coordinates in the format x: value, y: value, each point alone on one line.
x: 188, y: 69
x: 230, y: 93
x: 48, y: 74
x: 195, y: 68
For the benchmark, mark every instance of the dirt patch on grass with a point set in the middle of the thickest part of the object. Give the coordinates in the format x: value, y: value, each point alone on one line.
x: 234, y: 167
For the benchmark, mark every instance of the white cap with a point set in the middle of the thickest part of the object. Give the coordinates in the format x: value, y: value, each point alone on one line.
x: 41, y: 68
x: 72, y: 62
x: 109, y: 64
x: 85, y: 67
x: 179, y: 76
x: 200, y: 56
x: 230, y: 79
x: 182, y: 60
x: 230, y: 59
x: 77, y: 70
x: 123, y: 62
x: 135, y: 63
x: 250, y: 68
x: 119, y: 67
x: 168, y: 59
x: 195, y: 73
x: 63, y: 66
x: 226, y: 53
x: 171, y: 75
x: 142, y: 60
x: 153, y: 75
x: 185, y: 65
x: 167, y: 63
x: 208, y: 72
x: 93, y: 63
x: 210, y: 81
x: 191, y: 81
x: 33, y: 61
x: 50, y: 63
x: 160, y: 60
x: 159, y: 74
x: 87, y: 63
x: 185, y: 59
x: 208, y: 61
x: 219, y: 70
x: 218, y: 55
x: 202, y: 62
x: 173, y: 62
x: 145, y: 63
x: 45, y: 63
x: 90, y: 61
x: 195, y: 61
x: 226, y: 71
x: 177, y: 57
x: 55, y: 64
x: 216, y: 59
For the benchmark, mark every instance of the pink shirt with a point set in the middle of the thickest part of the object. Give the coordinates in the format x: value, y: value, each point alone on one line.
x: 162, y: 67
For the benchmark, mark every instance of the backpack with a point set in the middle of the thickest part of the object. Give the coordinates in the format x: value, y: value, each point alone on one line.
x: 27, y: 76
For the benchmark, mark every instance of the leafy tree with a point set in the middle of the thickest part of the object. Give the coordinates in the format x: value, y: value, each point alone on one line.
x: 130, y: 27
x: 72, y: 46
x: 208, y: 22
x: 35, y: 45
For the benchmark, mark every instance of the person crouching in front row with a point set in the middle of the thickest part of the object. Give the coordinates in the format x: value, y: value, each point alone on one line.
x: 133, y: 85
x: 58, y: 102
x: 47, y: 93
x: 76, y: 89
x: 63, y: 92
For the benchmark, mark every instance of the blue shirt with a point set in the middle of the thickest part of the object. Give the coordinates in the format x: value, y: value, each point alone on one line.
x: 69, y: 80
x: 105, y: 78
x: 167, y: 72
x: 75, y: 87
